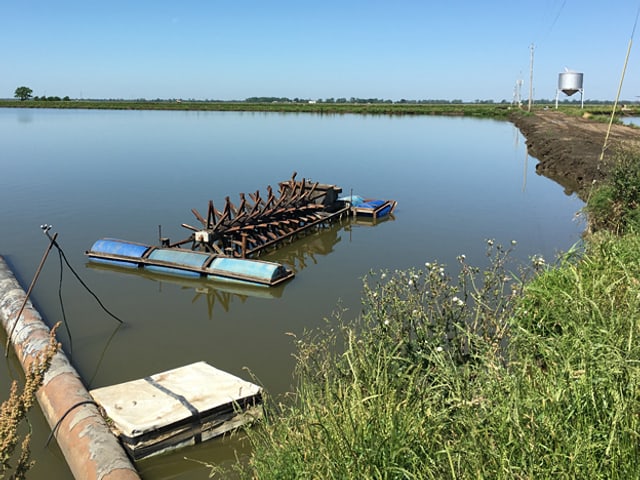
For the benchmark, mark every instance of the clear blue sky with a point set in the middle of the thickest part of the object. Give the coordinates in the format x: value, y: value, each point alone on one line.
x: 234, y: 49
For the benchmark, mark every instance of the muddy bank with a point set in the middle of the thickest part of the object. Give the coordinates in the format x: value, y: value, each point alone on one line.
x: 568, y: 148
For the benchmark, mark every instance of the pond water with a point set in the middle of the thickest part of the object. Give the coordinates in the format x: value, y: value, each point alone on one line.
x: 94, y: 174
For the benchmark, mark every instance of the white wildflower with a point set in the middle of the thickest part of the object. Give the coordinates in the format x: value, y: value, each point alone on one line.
x: 457, y: 301
x: 538, y: 261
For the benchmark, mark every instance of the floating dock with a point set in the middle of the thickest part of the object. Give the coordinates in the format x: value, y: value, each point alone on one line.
x: 177, y: 408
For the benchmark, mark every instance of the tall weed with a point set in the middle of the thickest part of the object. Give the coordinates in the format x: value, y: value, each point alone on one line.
x: 473, y: 376
x: 615, y: 205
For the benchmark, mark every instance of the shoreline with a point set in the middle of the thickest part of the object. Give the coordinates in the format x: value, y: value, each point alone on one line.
x: 568, y: 148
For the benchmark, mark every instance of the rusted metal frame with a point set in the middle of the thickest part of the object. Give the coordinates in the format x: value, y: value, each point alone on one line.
x: 292, y: 206
x: 309, y: 191
x: 181, y: 242
x: 256, y: 198
x: 230, y: 206
x: 226, y: 214
x: 212, y: 215
x: 296, y: 193
x: 328, y: 218
x: 270, y: 198
x: 291, y: 181
x: 240, y: 213
x: 189, y: 227
x: 257, y: 203
x: 199, y: 217
x: 275, y: 206
x: 214, y: 248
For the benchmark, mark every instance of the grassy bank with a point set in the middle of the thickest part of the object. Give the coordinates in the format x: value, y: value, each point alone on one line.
x: 513, y: 371
x: 472, y: 110
x: 476, y: 110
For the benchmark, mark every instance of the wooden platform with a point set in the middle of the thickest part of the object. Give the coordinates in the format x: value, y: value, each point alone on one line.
x: 176, y: 408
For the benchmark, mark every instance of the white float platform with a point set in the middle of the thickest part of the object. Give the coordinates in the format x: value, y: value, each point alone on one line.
x: 176, y: 408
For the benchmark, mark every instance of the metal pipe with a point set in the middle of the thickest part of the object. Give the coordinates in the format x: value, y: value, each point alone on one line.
x: 89, y: 447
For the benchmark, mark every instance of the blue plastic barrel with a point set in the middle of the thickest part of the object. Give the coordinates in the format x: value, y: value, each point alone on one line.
x: 182, y: 261
x: 128, y: 253
x: 113, y: 246
x: 254, y: 271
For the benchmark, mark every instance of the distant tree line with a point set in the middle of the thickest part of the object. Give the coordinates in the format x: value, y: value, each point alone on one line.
x: 355, y: 100
x: 432, y: 101
x: 25, y: 93
x: 53, y: 99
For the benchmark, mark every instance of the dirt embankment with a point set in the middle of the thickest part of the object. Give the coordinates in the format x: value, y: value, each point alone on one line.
x: 569, y: 148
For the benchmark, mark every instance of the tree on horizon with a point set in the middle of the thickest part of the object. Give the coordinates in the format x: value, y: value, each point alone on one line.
x: 23, y: 93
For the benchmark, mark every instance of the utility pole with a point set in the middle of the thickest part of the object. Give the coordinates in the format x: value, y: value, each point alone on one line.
x: 517, y: 98
x: 531, y: 78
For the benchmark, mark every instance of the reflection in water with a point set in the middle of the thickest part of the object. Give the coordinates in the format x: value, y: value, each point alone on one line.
x: 102, y: 354
x: 213, y: 292
x: 302, y: 252
x: 25, y: 116
x: 371, y: 222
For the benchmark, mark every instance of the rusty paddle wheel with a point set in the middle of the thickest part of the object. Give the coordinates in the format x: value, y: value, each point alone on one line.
x: 257, y: 224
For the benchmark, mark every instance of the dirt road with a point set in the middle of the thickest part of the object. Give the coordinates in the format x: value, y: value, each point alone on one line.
x: 568, y: 148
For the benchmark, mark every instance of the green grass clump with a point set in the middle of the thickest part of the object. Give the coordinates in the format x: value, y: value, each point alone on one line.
x: 476, y: 110
x: 475, y: 376
x: 579, y: 358
x: 615, y: 205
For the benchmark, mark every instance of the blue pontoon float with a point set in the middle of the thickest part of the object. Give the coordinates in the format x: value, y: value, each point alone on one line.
x: 178, y: 261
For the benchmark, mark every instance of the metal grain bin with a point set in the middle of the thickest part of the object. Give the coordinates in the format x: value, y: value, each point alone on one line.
x: 570, y: 82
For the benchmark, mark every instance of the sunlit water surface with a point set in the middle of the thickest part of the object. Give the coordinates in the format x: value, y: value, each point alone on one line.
x: 92, y: 174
